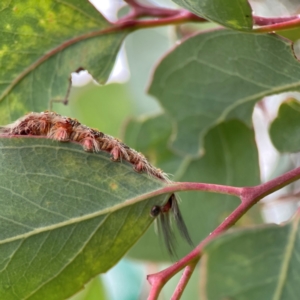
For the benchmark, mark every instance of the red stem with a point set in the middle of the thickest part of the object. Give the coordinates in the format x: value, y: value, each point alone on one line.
x: 277, y: 24
x: 187, y: 273
x: 180, y: 17
x: 267, y: 24
x: 262, y: 190
x: 183, y: 16
x: 140, y: 10
x: 262, y: 21
x: 249, y: 196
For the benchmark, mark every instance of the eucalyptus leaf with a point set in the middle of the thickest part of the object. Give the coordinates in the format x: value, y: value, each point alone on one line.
x: 41, y: 43
x: 94, y: 290
x: 285, y: 129
x: 256, y: 263
x: 236, y: 14
x: 65, y: 215
x: 205, y: 80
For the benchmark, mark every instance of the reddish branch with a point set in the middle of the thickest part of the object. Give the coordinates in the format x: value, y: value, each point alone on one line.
x: 182, y: 16
x: 276, y: 24
x: 166, y: 16
x: 187, y: 273
x: 262, y: 21
x: 140, y: 10
x: 249, y: 196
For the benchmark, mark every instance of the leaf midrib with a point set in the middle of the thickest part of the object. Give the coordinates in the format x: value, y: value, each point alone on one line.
x: 125, y: 203
x: 286, y: 260
x: 85, y: 217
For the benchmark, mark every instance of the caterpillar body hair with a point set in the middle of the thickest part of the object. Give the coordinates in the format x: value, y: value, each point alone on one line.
x: 56, y: 127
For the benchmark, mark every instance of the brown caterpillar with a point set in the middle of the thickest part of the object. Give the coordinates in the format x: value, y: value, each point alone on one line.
x: 54, y: 126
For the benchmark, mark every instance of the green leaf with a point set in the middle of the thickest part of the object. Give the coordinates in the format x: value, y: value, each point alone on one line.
x: 41, y: 43
x: 65, y: 216
x: 230, y: 158
x: 220, y: 82
x: 258, y: 263
x: 236, y: 14
x: 291, y: 34
x: 94, y: 290
x: 285, y: 129
x: 190, y: 292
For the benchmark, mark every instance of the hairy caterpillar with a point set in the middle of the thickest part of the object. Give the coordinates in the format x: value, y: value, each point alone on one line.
x: 60, y: 128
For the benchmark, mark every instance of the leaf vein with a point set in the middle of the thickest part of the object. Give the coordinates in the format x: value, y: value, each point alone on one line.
x: 71, y: 260
x: 291, y: 239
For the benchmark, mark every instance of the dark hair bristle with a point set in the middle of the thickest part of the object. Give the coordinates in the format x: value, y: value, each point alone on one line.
x: 165, y: 230
x: 179, y: 220
x: 164, y: 214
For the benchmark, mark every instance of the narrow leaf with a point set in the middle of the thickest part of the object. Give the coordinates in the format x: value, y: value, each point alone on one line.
x: 236, y: 14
